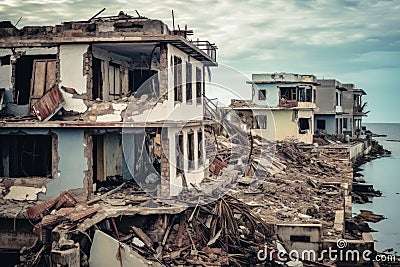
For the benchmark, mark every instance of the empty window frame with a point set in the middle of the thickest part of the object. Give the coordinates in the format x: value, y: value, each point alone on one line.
x: 262, y: 94
x: 179, y: 152
x: 189, y: 94
x: 114, y: 80
x: 261, y: 121
x: 200, y: 147
x: 177, y: 79
x: 300, y: 238
x: 321, y: 125
x: 288, y: 93
x: 337, y: 99
x: 143, y: 78
x: 97, y: 85
x: 198, y: 86
x: 345, y: 123
x: 42, y: 74
x: 190, y: 156
x: 304, y: 94
x: 304, y: 125
x: 26, y: 156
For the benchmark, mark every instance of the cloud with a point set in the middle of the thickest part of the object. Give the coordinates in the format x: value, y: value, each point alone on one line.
x: 324, y: 37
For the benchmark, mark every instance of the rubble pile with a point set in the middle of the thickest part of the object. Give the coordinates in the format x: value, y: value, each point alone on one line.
x: 116, y: 110
x: 225, y: 232
x: 290, y: 182
x: 222, y: 233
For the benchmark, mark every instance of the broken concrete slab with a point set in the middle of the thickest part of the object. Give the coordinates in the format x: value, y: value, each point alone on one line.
x: 107, y: 251
x: 24, y: 192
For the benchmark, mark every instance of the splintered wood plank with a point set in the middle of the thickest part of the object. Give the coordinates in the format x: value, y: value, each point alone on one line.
x: 51, y: 71
x: 39, y: 78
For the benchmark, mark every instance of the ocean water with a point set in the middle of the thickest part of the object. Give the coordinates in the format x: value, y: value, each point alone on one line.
x: 384, y: 174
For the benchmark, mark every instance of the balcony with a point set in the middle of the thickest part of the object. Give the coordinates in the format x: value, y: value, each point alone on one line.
x: 208, y: 48
x: 296, y: 104
x: 339, y: 109
x: 360, y: 110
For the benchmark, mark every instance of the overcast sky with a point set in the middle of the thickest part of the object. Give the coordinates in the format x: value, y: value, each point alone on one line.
x: 353, y: 41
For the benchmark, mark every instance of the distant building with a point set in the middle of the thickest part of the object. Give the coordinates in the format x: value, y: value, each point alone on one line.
x: 329, y: 113
x: 282, y: 106
x: 354, y: 109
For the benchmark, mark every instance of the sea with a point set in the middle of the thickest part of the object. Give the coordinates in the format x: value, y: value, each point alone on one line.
x: 384, y: 174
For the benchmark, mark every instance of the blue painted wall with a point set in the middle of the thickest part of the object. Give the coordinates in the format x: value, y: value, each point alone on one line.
x: 272, y: 96
x: 330, y: 124
x: 72, y: 164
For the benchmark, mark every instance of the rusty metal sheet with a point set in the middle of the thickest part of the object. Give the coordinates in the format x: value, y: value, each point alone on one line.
x: 36, y: 211
x: 65, y: 200
x: 217, y: 166
x: 49, y: 104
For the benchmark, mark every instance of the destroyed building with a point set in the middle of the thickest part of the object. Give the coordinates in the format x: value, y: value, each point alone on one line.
x: 329, y: 113
x: 83, y: 83
x: 282, y: 106
x: 339, y: 108
x: 75, y: 96
x: 355, y: 109
x: 87, y: 106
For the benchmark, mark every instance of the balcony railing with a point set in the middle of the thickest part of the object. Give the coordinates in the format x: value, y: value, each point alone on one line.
x: 360, y: 108
x: 207, y: 47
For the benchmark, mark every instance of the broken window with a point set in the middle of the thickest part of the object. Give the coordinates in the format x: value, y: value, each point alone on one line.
x: 97, y: 86
x: 200, y: 147
x: 190, y: 150
x: 189, y: 95
x: 304, y: 125
x: 107, y: 157
x: 288, y: 93
x: 138, y: 77
x: 345, y: 122
x: 114, y: 80
x: 314, y: 96
x: 177, y: 79
x: 261, y: 121
x: 304, y: 94
x: 337, y: 99
x: 321, y: 124
x: 300, y: 238
x: 198, y: 85
x: 262, y: 94
x: 34, y: 76
x: 179, y: 152
x: 26, y: 156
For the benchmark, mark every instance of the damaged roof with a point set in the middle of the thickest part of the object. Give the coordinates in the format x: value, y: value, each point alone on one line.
x: 118, y: 28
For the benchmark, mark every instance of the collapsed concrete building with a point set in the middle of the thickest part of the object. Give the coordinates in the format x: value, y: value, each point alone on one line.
x: 82, y: 101
x: 282, y: 106
x: 84, y: 81
x: 94, y: 103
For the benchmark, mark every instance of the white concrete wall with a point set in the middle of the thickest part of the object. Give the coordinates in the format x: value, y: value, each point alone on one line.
x: 169, y: 110
x: 72, y: 74
x: 72, y: 66
x: 356, y: 151
x: 184, y: 111
x: 195, y: 175
x: 284, y: 231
